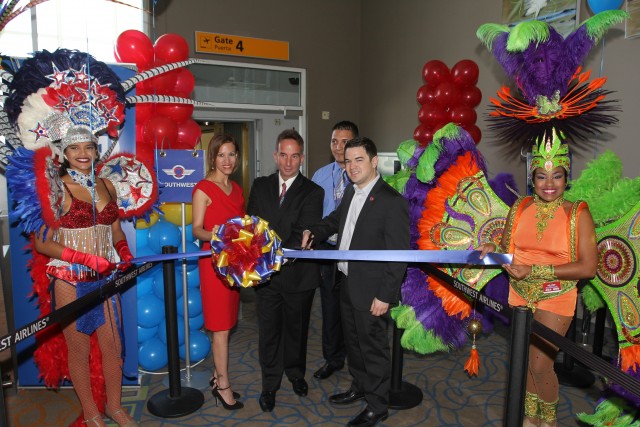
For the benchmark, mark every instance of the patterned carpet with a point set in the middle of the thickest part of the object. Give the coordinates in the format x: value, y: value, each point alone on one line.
x: 450, y: 397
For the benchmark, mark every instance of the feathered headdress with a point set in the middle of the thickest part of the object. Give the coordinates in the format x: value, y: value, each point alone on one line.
x: 555, y: 93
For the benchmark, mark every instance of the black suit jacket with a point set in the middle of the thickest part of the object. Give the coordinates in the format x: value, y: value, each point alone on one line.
x: 302, y: 205
x: 383, y: 223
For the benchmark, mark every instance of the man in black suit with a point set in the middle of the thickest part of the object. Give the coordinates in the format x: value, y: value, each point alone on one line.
x: 372, y: 216
x: 286, y: 199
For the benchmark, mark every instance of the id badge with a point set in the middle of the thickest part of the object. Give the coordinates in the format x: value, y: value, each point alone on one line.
x: 551, y: 287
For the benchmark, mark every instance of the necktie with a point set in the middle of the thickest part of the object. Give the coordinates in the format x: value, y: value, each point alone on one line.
x: 284, y: 190
x: 338, y: 190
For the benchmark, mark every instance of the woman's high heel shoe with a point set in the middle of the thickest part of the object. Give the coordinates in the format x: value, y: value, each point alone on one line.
x: 120, y: 413
x: 216, y: 393
x: 212, y: 383
x: 95, y: 421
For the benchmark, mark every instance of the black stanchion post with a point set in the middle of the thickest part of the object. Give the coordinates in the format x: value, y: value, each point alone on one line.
x: 402, y: 395
x: 3, y: 411
x: 598, y: 333
x: 180, y: 400
x: 569, y: 373
x: 518, y: 360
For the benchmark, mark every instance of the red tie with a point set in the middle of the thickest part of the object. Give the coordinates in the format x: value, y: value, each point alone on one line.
x: 284, y: 190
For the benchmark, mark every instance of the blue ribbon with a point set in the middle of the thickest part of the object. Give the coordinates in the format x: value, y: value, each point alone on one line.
x: 412, y: 256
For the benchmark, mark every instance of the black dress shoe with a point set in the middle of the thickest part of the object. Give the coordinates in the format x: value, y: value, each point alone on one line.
x: 326, y: 371
x: 300, y: 386
x: 368, y: 418
x: 267, y: 401
x: 346, y: 398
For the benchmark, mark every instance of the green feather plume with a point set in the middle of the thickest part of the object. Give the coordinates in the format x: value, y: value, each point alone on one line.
x: 611, y: 206
x: 598, y: 24
x: 591, y: 298
x: 426, y: 165
x: 488, y: 32
x: 598, y: 177
x: 415, y: 337
x: 606, y: 412
x: 525, y: 33
x: 405, y: 151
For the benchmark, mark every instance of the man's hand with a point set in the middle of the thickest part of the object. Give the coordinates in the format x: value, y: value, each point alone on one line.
x: 378, y: 308
x: 307, y: 239
x: 486, y: 248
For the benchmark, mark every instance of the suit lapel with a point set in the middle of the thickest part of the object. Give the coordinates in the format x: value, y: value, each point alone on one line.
x: 368, y: 204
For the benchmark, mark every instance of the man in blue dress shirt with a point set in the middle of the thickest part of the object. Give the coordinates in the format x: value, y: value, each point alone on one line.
x: 333, y: 179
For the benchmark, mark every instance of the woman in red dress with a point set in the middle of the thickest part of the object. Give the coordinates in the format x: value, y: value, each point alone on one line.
x: 216, y: 199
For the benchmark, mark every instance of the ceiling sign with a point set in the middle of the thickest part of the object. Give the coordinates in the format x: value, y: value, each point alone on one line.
x: 225, y: 44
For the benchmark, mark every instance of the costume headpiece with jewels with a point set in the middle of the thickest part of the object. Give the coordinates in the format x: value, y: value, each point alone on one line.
x: 54, y: 99
x: 555, y: 93
x: 549, y: 152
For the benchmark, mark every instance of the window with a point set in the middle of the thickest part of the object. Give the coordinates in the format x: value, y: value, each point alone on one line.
x: 87, y: 25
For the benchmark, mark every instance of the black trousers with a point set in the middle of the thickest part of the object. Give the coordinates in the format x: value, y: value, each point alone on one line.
x: 333, y: 349
x: 283, y: 328
x: 368, y: 351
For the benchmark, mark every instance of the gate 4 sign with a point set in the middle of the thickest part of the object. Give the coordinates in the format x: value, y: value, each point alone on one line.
x: 224, y: 44
x: 178, y: 172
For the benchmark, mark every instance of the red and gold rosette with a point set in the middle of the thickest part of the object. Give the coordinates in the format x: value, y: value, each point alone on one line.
x: 246, y: 251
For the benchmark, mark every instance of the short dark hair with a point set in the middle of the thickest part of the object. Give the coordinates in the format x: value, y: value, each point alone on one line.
x: 291, y: 134
x: 214, y: 148
x: 346, y: 125
x: 364, y: 142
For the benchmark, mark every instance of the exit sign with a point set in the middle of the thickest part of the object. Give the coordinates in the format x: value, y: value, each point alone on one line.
x: 225, y: 44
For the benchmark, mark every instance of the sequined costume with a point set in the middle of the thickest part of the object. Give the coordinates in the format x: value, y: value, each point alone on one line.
x: 557, y: 246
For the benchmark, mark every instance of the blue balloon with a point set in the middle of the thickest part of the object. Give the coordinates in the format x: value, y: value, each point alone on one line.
x: 150, y: 311
x: 199, y: 346
x: 162, y: 331
x: 144, y: 285
x: 152, y: 354
x: 142, y: 237
x: 598, y: 6
x: 144, y: 251
x: 164, y: 233
x: 146, y: 333
x: 194, y: 305
x: 193, y: 279
x: 196, y: 322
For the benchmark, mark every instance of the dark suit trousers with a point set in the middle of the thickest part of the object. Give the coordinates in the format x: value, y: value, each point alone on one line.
x: 368, y: 351
x: 283, y: 328
x: 333, y: 349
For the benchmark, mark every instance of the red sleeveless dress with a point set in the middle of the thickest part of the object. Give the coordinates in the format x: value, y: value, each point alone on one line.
x: 219, y: 301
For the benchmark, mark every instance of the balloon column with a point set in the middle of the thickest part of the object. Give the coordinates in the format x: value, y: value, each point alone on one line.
x: 448, y: 96
x: 167, y: 125
x: 152, y: 340
x: 163, y: 125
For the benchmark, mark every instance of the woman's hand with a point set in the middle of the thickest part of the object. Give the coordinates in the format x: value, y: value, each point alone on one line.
x: 517, y: 271
x: 486, y: 248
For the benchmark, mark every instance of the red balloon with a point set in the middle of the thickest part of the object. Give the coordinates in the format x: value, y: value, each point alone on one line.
x: 160, y: 131
x: 134, y: 46
x: 447, y: 94
x: 465, y: 73
x: 185, y: 82
x: 432, y: 115
x: 471, y: 96
x: 139, y: 135
x: 463, y: 115
x: 144, y: 112
x: 435, y: 72
x: 422, y: 134
x: 146, y: 153
x: 162, y: 84
x: 425, y: 94
x: 171, y: 48
x: 474, y: 131
x: 189, y: 134
x: 177, y: 112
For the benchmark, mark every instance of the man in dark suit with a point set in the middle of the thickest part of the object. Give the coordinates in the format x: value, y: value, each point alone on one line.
x: 286, y: 199
x: 372, y: 216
